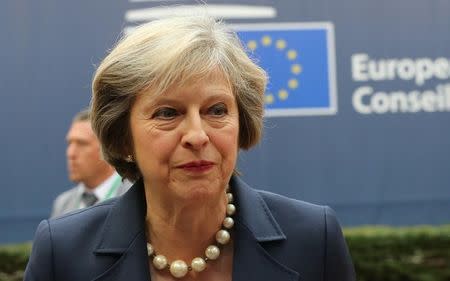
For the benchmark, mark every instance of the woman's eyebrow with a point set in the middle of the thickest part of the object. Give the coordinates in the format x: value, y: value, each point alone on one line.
x: 161, y: 100
x: 167, y: 99
x: 220, y: 96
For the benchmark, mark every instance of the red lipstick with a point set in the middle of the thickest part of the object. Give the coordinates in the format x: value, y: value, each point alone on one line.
x: 197, y: 166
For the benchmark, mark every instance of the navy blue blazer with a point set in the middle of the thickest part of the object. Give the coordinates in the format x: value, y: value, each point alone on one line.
x: 275, y: 238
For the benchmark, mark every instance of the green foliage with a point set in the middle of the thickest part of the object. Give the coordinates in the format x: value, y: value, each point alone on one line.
x: 419, y: 253
x: 379, y: 253
x: 13, y: 259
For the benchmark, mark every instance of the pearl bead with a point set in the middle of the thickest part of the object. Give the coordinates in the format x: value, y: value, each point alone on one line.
x: 160, y: 262
x: 230, y: 197
x: 178, y: 268
x: 212, y: 252
x: 231, y: 209
x: 228, y: 222
x: 198, y: 264
x: 150, y: 249
x: 222, y: 237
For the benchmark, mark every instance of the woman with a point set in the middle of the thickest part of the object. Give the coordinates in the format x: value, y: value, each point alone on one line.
x: 172, y: 105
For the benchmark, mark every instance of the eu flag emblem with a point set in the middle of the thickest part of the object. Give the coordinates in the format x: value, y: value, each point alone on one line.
x: 300, y: 61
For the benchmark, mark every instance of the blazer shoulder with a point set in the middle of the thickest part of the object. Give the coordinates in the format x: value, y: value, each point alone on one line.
x: 90, y: 220
x: 84, y: 216
x: 281, y: 206
x: 295, y: 217
x: 58, y: 240
x: 313, y: 229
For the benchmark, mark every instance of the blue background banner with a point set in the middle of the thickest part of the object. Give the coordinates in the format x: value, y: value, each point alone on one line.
x: 300, y: 61
x: 379, y: 155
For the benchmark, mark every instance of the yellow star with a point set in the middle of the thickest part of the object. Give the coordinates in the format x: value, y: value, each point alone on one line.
x: 281, y: 44
x: 252, y: 45
x: 269, y: 98
x: 292, y: 54
x: 293, y: 83
x: 283, y: 94
x: 296, y: 68
x: 266, y: 40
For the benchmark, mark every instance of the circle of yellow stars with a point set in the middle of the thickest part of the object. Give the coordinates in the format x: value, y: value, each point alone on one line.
x: 295, y: 68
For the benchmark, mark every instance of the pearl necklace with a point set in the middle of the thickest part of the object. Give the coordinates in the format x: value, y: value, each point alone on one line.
x: 179, y: 268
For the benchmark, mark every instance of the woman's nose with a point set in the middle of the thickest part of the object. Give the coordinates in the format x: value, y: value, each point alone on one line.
x: 194, y: 136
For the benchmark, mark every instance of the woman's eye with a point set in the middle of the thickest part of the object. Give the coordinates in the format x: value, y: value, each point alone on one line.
x: 218, y: 110
x: 165, y: 113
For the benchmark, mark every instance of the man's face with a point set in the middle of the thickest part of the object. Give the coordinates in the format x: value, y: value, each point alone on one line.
x: 83, y: 153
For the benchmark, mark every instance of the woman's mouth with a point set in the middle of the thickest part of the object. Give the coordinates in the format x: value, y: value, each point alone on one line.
x: 197, y: 166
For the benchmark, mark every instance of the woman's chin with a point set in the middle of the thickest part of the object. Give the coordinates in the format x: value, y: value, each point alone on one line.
x: 201, y: 193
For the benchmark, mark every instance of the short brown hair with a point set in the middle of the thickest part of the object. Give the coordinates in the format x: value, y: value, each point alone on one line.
x: 170, y: 52
x: 83, y: 115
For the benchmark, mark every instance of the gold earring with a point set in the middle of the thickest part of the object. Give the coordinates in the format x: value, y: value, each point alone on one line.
x: 129, y: 158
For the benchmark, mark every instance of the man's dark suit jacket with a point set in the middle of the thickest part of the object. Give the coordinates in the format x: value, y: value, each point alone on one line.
x: 275, y: 238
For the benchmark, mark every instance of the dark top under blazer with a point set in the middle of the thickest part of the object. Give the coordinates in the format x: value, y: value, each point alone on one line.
x: 275, y: 238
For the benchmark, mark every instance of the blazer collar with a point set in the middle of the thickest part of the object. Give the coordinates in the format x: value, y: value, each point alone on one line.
x: 254, y: 226
x: 124, y: 236
x: 254, y: 213
x: 130, y: 210
x: 125, y: 220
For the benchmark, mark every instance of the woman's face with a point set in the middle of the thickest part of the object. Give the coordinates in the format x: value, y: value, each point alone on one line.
x: 186, y: 140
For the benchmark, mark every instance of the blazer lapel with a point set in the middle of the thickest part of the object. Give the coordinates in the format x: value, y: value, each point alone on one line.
x: 255, y: 226
x: 124, y: 238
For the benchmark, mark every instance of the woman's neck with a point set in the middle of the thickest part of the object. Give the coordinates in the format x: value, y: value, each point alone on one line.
x: 183, y: 229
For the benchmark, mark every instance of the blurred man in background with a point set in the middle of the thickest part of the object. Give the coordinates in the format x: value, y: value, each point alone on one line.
x: 97, y: 180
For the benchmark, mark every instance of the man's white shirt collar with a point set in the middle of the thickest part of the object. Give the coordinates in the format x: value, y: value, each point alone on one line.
x: 102, y: 190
